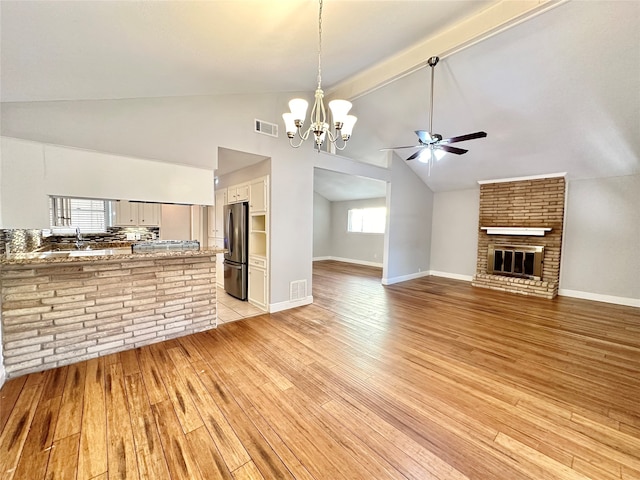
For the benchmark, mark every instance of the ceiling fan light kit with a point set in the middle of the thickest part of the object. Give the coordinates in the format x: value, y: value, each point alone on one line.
x: 342, y: 122
x: 431, y: 145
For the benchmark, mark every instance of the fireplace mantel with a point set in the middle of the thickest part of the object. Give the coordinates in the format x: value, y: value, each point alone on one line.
x: 530, y: 231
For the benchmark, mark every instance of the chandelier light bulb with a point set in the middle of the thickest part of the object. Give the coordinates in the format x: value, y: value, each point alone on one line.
x: 298, y: 107
x: 339, y: 110
x: 289, y: 124
x: 347, y: 126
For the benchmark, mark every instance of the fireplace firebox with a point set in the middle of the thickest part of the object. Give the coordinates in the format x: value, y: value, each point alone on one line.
x: 524, y: 261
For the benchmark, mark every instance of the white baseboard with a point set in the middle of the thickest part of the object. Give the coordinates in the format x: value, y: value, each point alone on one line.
x: 454, y: 276
x: 597, y: 297
x: 3, y: 375
x: 404, y: 278
x: 350, y: 260
x: 278, y: 307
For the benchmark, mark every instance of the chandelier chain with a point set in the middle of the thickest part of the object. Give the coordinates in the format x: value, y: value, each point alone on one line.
x: 320, y: 45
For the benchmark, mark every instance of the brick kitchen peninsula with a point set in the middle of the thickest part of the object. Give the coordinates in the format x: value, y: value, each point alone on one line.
x: 57, y: 311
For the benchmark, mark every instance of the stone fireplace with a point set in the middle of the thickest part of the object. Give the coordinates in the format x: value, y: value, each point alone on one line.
x: 520, y: 235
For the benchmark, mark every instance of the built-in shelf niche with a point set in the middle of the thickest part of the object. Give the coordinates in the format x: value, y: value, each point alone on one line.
x: 258, y: 235
x: 258, y: 223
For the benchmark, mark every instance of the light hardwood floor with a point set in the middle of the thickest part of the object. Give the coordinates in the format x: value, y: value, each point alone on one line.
x: 428, y: 379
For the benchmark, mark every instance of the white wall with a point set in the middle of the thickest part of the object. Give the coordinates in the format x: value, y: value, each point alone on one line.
x: 600, y: 256
x: 32, y: 171
x: 365, y: 247
x: 246, y: 174
x: 408, y: 239
x: 23, y: 191
x: 175, y: 222
x: 454, y: 240
x: 321, y: 226
x: 82, y: 173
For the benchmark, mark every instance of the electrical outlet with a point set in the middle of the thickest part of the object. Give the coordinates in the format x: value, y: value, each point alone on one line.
x: 131, y: 236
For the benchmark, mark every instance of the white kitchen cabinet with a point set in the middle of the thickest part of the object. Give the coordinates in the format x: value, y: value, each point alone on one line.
x: 259, y: 242
x: 137, y: 214
x: 149, y: 214
x: 126, y: 213
x: 258, y: 199
x: 219, y: 243
x: 238, y: 193
x: 216, y: 228
x: 258, y: 282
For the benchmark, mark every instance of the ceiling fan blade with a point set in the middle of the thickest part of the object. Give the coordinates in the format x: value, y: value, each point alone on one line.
x: 462, y: 138
x: 415, y: 155
x: 456, y: 150
x: 398, y: 148
x: 424, y: 136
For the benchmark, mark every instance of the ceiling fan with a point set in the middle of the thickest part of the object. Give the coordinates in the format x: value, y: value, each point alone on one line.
x: 431, y: 144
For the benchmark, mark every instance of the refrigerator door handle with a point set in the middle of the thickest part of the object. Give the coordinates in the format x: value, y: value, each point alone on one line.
x: 230, y: 232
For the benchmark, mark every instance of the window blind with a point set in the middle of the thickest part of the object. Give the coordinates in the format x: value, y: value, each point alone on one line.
x: 88, y: 215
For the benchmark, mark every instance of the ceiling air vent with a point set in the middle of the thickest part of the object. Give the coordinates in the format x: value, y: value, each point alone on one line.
x: 266, y: 128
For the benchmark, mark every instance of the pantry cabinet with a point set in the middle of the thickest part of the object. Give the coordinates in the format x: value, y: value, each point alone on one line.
x: 258, y: 190
x: 258, y: 281
x: 216, y: 231
x: 259, y: 242
x: 216, y: 215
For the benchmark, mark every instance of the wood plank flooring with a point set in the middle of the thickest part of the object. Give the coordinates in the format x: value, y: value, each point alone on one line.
x: 428, y: 379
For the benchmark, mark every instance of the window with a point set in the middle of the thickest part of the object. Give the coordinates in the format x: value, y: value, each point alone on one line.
x: 91, y: 216
x: 367, y: 220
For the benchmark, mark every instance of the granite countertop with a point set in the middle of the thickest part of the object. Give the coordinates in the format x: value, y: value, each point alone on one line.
x: 102, y: 254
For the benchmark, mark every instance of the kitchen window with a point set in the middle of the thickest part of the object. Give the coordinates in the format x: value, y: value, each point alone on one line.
x: 367, y: 220
x: 90, y: 216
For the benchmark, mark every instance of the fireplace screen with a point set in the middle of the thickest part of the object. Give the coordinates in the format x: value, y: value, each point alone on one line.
x: 523, y: 261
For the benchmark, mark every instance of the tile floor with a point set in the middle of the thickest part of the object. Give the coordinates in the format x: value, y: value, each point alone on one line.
x: 231, y: 309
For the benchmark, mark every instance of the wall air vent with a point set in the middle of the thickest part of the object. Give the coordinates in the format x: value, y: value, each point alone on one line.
x: 266, y: 128
x: 298, y: 290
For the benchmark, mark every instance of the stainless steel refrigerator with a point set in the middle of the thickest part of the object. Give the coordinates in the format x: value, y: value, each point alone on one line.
x: 236, y: 242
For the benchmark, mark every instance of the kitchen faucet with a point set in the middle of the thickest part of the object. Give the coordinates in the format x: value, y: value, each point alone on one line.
x: 79, y: 241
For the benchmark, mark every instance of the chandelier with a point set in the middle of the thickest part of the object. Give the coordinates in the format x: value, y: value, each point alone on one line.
x: 342, y: 122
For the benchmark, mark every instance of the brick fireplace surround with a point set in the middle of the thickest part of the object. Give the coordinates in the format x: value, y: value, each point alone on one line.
x: 523, y: 203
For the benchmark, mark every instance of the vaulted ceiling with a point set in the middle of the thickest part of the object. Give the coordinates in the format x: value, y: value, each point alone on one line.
x: 557, y: 91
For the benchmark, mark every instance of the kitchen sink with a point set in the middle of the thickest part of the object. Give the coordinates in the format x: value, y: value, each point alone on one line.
x: 84, y: 253
x: 106, y: 251
x: 56, y: 254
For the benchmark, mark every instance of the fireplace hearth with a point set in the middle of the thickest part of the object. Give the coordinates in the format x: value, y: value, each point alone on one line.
x: 522, y: 261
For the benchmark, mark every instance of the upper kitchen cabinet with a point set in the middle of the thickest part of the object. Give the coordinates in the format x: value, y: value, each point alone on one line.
x: 258, y: 195
x: 149, y: 214
x: 137, y: 214
x: 126, y: 213
x: 238, y: 193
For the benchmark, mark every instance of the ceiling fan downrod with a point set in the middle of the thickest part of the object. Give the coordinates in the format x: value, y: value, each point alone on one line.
x: 432, y: 62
